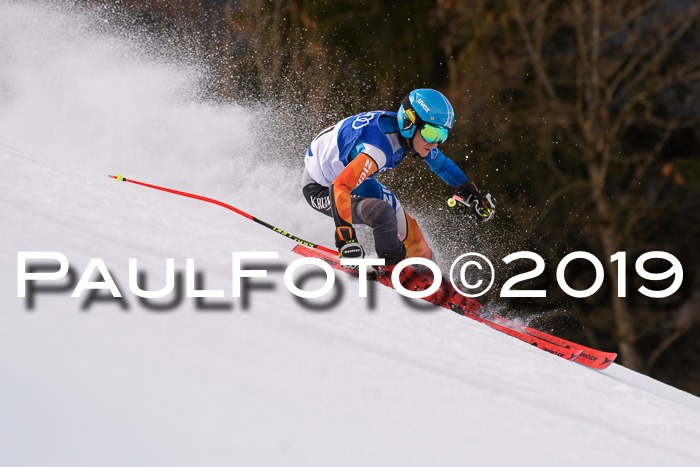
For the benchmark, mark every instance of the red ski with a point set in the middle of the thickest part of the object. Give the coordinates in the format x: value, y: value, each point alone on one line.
x: 448, y: 298
x: 590, y: 357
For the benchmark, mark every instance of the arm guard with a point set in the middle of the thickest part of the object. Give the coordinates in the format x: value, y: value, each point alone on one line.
x: 350, y: 178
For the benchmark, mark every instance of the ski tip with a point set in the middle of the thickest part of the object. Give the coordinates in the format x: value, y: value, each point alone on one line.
x: 607, y: 361
x: 597, y: 362
x: 117, y: 177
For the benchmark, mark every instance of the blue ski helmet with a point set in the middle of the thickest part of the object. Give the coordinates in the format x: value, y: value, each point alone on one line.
x: 429, y: 111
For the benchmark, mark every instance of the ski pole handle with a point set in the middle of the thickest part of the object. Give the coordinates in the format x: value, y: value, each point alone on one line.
x: 452, y: 202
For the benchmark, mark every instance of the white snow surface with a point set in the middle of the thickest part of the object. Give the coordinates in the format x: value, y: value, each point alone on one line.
x: 276, y: 384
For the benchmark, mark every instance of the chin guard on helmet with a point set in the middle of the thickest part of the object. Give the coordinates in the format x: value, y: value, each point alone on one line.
x: 407, y: 118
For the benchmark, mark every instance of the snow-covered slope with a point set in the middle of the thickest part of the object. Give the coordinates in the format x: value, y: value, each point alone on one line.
x: 277, y: 383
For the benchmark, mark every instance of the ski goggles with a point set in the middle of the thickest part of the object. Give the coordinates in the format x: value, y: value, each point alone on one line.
x: 434, y: 133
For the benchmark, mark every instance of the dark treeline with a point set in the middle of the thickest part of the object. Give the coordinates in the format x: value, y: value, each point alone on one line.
x: 581, y: 115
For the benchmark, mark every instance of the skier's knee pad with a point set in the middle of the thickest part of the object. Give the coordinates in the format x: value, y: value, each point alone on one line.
x: 376, y: 214
x: 381, y: 217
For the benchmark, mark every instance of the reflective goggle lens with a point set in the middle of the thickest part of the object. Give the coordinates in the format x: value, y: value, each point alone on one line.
x: 433, y: 133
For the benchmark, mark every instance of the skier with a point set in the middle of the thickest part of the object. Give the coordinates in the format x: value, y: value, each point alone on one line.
x: 341, y: 160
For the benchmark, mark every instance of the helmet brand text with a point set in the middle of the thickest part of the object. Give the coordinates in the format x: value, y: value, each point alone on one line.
x: 423, y: 104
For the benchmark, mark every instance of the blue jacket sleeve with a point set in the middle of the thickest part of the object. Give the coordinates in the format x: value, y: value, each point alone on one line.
x: 445, y: 168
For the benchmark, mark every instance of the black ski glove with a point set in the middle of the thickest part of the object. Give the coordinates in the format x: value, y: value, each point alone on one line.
x: 481, y: 206
x: 346, y: 242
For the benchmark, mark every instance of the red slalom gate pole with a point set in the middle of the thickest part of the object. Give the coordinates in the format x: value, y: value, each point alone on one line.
x: 231, y: 208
